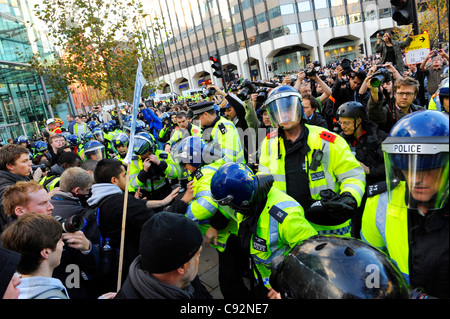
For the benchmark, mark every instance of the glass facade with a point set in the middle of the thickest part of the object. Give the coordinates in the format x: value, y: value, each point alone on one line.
x: 22, y: 93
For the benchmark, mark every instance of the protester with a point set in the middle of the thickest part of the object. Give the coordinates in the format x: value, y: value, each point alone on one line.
x: 170, y: 247
x: 38, y: 239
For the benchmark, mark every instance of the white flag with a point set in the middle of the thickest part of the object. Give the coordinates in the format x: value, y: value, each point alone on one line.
x: 140, y: 82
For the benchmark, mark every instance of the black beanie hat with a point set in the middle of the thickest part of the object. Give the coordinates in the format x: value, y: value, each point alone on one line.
x: 168, y: 241
x: 8, y: 264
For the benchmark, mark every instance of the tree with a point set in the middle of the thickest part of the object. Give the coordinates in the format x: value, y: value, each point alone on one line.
x: 101, y: 42
x: 428, y: 17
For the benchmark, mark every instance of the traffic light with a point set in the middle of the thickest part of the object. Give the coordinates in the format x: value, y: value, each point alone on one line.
x: 269, y: 67
x: 403, y: 11
x: 361, y: 48
x: 217, y: 66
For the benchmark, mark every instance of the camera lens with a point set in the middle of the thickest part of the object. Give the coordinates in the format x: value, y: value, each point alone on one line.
x: 71, y: 224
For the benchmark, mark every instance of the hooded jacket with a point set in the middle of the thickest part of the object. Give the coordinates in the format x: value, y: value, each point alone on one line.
x: 32, y: 287
x: 110, y: 199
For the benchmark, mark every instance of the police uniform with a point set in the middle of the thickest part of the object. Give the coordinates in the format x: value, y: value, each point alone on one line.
x: 336, y: 169
x: 221, y: 132
x: 418, y: 244
x: 280, y: 226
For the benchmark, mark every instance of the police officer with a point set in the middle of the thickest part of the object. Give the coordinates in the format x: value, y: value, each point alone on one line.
x: 217, y: 223
x: 309, y: 163
x: 155, y: 168
x: 408, y: 219
x: 220, y: 131
x: 271, y: 222
x: 183, y: 130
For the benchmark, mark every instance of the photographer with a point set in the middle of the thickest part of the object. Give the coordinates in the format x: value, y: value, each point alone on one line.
x: 433, y: 72
x: 99, y: 115
x: 307, y: 89
x: 25, y: 198
x: 391, y: 51
x: 387, y: 114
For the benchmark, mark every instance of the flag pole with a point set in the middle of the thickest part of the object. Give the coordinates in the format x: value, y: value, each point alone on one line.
x: 140, y: 82
x: 122, y: 236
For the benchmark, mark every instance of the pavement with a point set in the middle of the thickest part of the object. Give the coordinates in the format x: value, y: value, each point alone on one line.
x: 208, y: 271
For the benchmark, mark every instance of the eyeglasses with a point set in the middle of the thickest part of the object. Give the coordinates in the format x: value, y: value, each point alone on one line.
x: 408, y: 94
x: 345, y: 123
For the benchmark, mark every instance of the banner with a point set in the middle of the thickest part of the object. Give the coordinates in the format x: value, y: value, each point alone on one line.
x: 140, y: 82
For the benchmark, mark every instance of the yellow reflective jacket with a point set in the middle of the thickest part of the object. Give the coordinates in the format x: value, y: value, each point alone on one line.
x: 339, y: 170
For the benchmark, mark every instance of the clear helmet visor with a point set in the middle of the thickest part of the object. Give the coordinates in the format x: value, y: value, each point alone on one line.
x: 97, y: 153
x: 423, y: 176
x: 284, y: 109
x: 99, y: 136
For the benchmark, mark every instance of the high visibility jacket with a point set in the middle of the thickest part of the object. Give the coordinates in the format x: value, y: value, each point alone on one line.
x: 338, y: 170
x: 201, y: 208
x: 225, y: 134
x: 50, y: 182
x: 179, y: 134
x: 80, y: 132
x: 151, y: 184
x: 57, y: 130
x: 135, y: 168
x: 281, y: 226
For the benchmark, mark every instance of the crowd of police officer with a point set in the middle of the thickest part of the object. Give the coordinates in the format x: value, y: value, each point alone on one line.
x: 295, y: 202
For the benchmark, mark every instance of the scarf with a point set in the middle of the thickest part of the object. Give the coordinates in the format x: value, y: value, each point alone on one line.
x: 148, y: 287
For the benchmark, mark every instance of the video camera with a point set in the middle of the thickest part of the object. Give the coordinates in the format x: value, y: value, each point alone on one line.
x: 249, y: 87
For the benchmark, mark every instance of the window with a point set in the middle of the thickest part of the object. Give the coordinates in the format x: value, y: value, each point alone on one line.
x: 354, y: 18
x: 335, y: 3
x: 249, y: 23
x: 287, y: 9
x: 340, y: 20
x: 304, y: 6
x: 320, y: 4
x: 323, y: 23
x: 307, y: 26
x: 385, y: 13
x: 275, y: 12
x: 260, y: 18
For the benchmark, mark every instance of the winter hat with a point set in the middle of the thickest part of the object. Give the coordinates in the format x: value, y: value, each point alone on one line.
x: 168, y: 241
x: 8, y: 264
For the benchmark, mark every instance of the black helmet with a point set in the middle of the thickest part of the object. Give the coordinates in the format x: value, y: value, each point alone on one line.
x: 330, y: 267
x: 352, y: 109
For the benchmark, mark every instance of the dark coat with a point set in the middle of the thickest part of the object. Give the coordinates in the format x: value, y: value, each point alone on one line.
x: 7, y: 179
x: 368, y: 151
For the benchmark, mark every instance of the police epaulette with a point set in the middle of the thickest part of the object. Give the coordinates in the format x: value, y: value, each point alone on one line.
x: 164, y: 155
x: 376, y: 189
x: 198, y: 174
x: 328, y: 136
x: 273, y: 134
x: 222, y: 128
